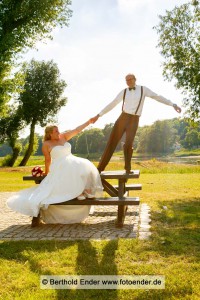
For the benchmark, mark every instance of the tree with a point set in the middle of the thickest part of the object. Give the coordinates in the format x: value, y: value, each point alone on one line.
x: 142, y: 146
x: 42, y: 97
x: 192, y: 139
x: 158, y: 138
x: 9, y: 129
x: 179, y: 40
x: 25, y: 145
x: 89, y: 141
x: 22, y: 24
x: 38, y: 149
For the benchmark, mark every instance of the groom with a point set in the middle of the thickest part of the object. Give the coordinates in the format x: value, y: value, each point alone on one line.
x: 132, y: 99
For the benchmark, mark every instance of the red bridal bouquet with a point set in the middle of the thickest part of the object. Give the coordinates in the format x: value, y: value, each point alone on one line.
x: 37, y: 171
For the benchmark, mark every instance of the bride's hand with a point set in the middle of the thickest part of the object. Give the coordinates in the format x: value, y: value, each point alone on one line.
x: 94, y: 119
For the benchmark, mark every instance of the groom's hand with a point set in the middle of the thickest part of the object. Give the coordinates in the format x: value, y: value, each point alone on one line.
x: 177, y: 108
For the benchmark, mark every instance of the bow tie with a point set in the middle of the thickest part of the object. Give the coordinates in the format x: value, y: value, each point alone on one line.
x: 133, y: 88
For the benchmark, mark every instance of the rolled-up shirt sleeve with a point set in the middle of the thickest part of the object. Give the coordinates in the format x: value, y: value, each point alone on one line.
x: 112, y: 104
x: 149, y: 93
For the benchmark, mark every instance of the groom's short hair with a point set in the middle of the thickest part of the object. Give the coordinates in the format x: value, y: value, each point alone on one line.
x: 130, y: 75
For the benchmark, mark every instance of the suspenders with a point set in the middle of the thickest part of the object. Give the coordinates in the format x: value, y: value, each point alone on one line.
x: 140, y: 100
x: 138, y: 103
x: 123, y: 99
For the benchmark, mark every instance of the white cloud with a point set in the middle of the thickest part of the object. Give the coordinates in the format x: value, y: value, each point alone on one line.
x: 105, y: 41
x: 128, y: 6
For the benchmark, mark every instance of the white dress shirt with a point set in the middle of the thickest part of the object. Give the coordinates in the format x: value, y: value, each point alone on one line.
x: 132, y: 100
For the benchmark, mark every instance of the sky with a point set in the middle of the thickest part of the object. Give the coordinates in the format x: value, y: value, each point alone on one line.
x: 106, y: 40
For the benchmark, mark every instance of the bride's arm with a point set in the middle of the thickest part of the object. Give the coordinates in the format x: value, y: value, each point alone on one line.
x: 69, y: 134
x: 45, y: 151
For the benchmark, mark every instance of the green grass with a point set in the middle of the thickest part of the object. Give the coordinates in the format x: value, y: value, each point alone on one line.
x: 154, y: 166
x: 172, y: 192
x: 178, y: 153
x: 184, y: 152
x: 33, y: 161
x: 11, y: 178
x: 39, y: 160
x: 22, y: 263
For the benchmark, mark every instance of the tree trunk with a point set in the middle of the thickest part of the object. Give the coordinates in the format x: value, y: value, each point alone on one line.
x: 30, y: 146
x: 14, y: 156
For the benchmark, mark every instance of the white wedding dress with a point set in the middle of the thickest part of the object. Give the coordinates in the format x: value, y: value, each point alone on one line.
x: 69, y: 176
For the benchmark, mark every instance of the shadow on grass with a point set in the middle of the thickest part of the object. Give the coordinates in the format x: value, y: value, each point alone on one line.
x: 176, y: 227
x: 175, y: 233
x: 87, y: 263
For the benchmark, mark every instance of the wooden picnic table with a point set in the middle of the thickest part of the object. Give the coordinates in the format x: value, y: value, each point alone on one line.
x: 119, y: 194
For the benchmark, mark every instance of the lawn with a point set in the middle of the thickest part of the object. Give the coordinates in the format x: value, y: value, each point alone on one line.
x: 172, y: 192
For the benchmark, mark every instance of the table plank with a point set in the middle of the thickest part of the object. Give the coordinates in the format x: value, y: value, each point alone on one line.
x: 102, y: 201
x: 131, y: 187
x: 119, y: 174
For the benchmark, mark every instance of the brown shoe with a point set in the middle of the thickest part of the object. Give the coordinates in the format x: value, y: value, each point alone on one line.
x: 35, y: 221
x: 129, y: 172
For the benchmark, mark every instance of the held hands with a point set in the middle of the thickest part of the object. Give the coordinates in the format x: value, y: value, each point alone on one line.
x: 177, y: 108
x: 94, y: 119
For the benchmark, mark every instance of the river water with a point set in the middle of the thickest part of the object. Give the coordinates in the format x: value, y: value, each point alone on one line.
x: 192, y: 160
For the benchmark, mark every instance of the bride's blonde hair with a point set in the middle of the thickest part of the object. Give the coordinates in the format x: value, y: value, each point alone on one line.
x: 48, y: 130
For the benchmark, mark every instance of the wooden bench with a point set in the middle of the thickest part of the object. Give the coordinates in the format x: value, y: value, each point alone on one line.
x: 119, y: 193
x: 131, y: 187
x: 102, y: 201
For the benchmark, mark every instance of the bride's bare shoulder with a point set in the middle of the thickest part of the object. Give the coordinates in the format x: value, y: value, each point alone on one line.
x: 47, y: 145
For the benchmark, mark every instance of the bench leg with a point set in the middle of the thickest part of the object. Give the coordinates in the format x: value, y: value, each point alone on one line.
x: 35, y: 221
x: 121, y: 215
x: 109, y: 188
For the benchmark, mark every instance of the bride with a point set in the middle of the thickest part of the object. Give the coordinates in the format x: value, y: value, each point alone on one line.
x: 68, y: 177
